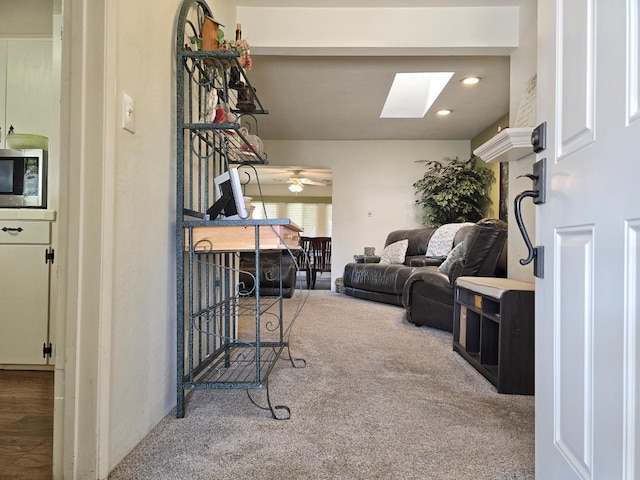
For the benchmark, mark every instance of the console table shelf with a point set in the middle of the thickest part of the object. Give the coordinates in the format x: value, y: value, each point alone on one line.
x: 493, y: 329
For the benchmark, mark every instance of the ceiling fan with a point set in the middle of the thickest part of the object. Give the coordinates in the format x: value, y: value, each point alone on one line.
x: 297, y: 181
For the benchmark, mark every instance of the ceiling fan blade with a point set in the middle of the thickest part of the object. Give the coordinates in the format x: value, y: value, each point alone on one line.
x: 308, y: 181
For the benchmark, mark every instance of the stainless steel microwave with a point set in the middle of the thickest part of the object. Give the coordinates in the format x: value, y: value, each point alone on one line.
x: 23, y: 178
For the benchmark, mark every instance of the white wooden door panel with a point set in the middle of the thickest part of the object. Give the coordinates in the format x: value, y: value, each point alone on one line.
x: 586, y: 318
x: 573, y: 346
x: 632, y: 354
x: 575, y: 76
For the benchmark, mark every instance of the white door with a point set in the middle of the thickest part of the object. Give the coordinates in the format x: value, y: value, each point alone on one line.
x: 587, y: 335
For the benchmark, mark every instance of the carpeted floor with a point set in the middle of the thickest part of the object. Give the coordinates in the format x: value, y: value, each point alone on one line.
x: 378, y: 399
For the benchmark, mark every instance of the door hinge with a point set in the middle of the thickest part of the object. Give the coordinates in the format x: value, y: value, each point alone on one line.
x: 49, y: 255
x: 47, y: 350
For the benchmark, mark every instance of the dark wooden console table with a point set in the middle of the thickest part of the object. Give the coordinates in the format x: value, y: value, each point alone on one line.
x: 493, y: 329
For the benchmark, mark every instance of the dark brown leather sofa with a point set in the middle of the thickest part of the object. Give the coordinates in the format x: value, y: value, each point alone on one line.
x: 418, y: 284
x: 428, y: 294
x: 270, y: 273
x: 385, y: 282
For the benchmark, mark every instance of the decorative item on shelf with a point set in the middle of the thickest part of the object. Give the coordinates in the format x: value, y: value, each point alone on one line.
x: 254, y: 145
x: 235, y: 81
x: 249, y: 206
x: 245, y: 100
x: 210, y: 36
x: 368, y: 251
x: 239, y: 45
x: 209, y: 109
x: 212, y: 39
x: 223, y: 115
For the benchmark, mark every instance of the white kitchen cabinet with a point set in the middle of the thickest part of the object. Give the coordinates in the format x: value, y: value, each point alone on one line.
x: 24, y: 291
x: 26, y: 98
x: 3, y: 89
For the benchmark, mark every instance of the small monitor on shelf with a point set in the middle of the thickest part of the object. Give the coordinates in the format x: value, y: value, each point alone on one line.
x: 230, y: 201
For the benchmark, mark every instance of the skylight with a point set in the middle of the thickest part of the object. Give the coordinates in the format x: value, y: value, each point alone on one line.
x: 412, y: 94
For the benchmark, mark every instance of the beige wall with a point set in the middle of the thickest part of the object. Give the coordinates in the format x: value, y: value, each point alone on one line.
x: 478, y: 140
x: 523, y: 67
x: 26, y: 18
x: 117, y: 211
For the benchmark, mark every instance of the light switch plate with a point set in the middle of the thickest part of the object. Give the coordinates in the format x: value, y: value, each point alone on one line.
x: 128, y: 113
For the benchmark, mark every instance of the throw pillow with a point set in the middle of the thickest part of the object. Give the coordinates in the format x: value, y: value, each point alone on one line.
x: 395, y: 252
x: 441, y: 241
x: 458, y: 251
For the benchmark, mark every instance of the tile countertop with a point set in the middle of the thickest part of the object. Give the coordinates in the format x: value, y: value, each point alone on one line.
x: 27, y: 214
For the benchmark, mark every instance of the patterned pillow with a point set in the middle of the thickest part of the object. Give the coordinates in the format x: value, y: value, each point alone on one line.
x: 441, y: 241
x: 395, y: 252
x: 458, y: 251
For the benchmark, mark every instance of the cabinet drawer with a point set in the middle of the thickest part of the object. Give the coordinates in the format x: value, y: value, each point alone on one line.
x: 21, y: 232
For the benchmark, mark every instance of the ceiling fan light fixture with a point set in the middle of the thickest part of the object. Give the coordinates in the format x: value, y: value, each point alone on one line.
x: 295, y: 187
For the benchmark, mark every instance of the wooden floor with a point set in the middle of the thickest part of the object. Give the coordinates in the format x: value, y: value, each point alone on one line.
x: 26, y: 425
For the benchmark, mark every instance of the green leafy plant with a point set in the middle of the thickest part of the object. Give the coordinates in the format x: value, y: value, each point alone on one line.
x: 453, y: 191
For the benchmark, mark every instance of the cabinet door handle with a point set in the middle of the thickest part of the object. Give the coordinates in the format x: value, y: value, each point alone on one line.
x: 11, y: 229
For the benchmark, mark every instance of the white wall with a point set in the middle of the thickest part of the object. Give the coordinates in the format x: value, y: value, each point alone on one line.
x: 375, y: 176
x: 325, y: 31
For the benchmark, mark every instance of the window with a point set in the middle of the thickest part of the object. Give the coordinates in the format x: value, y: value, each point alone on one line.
x: 314, y: 218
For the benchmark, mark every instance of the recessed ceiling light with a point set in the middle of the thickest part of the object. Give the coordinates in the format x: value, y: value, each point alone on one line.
x: 470, y: 80
x: 412, y: 94
x: 444, y: 112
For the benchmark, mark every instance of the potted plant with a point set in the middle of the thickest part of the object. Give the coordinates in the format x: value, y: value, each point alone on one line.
x: 453, y: 191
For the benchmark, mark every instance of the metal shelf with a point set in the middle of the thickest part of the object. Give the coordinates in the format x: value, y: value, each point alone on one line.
x: 227, y: 338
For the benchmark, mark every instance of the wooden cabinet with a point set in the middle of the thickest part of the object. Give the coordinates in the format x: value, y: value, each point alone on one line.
x: 26, y: 97
x: 24, y: 291
x: 493, y: 329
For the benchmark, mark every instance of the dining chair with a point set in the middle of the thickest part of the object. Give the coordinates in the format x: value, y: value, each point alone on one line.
x: 321, y: 257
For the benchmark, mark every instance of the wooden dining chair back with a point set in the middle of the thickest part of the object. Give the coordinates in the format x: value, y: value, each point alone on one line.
x: 321, y: 254
x: 305, y: 259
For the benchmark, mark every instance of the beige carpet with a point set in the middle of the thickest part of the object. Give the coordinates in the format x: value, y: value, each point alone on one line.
x: 379, y: 399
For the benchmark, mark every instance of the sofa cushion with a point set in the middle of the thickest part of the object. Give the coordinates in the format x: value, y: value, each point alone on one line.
x: 484, y: 250
x: 385, y: 279
x: 441, y: 242
x: 395, y: 252
x: 418, y: 239
x: 459, y: 251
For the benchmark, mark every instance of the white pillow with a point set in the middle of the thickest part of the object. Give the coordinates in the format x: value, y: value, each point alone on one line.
x: 457, y: 252
x: 441, y: 241
x: 395, y: 252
